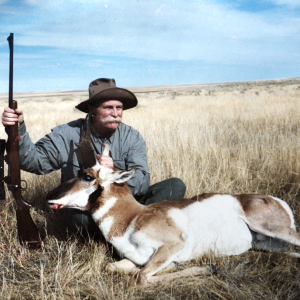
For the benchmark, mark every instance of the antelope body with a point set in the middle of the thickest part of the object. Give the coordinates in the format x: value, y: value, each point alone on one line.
x: 158, y: 235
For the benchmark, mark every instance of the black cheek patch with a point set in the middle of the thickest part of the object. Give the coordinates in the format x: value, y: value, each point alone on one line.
x: 95, y: 195
x: 92, y: 201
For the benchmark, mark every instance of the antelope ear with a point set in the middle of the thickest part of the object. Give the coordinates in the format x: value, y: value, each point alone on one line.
x: 123, y: 176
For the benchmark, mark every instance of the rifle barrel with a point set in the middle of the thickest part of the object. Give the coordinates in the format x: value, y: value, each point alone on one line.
x: 11, y: 67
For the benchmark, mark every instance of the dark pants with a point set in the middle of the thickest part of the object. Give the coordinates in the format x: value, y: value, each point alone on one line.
x: 170, y: 189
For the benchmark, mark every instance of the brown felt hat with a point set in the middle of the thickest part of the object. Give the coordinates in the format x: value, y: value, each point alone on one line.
x: 104, y: 89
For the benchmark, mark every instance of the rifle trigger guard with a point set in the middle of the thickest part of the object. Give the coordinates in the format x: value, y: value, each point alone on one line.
x: 6, y: 159
x: 23, y: 189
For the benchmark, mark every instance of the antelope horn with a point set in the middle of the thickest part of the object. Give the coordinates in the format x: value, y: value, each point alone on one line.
x: 86, y: 126
x: 105, y: 150
x: 85, y: 152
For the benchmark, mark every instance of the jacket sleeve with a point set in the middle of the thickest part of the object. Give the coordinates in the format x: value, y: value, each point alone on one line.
x: 47, y: 155
x: 137, y: 157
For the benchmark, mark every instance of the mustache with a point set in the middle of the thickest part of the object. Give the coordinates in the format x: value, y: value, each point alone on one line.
x: 111, y: 119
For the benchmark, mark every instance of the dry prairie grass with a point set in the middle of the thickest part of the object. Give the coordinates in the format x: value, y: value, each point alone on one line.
x: 241, y: 138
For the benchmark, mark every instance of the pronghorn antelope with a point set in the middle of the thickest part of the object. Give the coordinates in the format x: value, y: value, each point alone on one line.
x: 159, y: 235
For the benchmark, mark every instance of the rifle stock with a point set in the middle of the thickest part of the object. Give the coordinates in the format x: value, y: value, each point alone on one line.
x: 27, y: 230
x: 2, y: 150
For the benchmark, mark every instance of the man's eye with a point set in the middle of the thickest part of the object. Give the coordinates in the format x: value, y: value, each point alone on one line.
x: 88, y: 178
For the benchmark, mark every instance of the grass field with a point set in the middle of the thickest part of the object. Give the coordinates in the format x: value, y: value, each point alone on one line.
x: 228, y: 138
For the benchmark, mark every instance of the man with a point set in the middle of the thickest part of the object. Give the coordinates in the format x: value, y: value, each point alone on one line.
x: 56, y: 150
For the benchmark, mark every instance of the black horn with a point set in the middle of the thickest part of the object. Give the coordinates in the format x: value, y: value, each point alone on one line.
x: 85, y: 152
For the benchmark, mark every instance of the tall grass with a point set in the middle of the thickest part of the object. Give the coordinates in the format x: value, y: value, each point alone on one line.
x: 222, y: 139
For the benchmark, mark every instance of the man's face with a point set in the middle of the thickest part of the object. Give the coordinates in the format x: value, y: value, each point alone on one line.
x: 108, y: 116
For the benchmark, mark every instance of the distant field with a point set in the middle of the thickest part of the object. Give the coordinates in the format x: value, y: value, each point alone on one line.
x: 227, y: 137
x: 173, y: 88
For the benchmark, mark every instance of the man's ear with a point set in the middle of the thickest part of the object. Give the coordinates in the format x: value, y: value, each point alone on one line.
x: 121, y: 177
x: 90, y: 108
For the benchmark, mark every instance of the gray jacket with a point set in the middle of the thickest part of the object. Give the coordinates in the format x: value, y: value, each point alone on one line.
x: 56, y: 151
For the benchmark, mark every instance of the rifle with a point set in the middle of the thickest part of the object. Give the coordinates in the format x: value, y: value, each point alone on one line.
x: 27, y: 230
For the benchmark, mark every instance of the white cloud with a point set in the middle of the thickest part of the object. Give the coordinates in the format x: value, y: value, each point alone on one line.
x: 200, y: 31
x: 51, y: 66
x: 157, y: 11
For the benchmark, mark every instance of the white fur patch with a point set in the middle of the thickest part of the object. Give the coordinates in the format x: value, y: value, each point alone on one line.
x: 96, y: 167
x: 105, y: 226
x: 212, y: 225
x: 77, y: 200
x: 106, y: 174
x: 180, y: 218
x: 103, y: 210
x: 136, y: 246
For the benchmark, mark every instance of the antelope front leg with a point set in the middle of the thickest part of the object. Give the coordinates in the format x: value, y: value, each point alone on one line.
x: 124, y: 266
x: 190, y: 272
x: 162, y: 258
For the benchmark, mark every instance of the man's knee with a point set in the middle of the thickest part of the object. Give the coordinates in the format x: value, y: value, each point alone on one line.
x: 81, y: 221
x: 76, y: 219
x: 178, y: 188
x: 169, y: 189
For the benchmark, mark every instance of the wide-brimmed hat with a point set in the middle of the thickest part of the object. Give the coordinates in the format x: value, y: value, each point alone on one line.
x: 104, y: 89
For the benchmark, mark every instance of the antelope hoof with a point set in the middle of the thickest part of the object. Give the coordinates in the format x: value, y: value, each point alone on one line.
x: 142, y: 279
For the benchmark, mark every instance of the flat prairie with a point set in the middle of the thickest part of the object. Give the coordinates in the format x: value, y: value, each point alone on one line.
x: 240, y: 137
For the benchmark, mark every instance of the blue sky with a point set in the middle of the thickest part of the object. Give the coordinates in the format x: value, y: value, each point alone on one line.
x: 65, y: 44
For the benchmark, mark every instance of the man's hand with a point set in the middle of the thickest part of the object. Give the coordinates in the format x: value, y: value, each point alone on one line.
x: 106, y: 161
x: 10, y: 116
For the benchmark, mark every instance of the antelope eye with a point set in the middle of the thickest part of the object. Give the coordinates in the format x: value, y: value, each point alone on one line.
x: 88, y: 178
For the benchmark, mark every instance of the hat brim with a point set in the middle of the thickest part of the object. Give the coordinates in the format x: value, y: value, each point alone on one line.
x: 126, y: 97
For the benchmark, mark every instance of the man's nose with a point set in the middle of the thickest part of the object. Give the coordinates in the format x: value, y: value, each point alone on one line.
x: 114, y: 112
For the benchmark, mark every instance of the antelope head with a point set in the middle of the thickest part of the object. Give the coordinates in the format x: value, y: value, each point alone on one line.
x: 92, y: 181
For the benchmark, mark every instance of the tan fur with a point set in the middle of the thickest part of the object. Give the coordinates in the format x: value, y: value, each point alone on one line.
x: 268, y: 212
